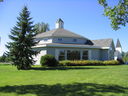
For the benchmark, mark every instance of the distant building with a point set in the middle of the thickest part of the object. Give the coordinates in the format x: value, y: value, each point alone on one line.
x: 66, y: 45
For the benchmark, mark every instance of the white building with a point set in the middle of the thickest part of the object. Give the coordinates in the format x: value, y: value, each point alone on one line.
x: 66, y: 45
x: 118, y: 51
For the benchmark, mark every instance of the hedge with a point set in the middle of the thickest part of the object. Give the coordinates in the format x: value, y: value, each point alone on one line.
x: 88, y: 62
x: 111, y: 62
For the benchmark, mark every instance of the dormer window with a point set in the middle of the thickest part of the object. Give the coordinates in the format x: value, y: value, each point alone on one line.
x: 74, y: 40
x: 59, y: 39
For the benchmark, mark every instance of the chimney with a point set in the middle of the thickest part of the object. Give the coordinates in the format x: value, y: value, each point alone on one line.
x: 59, y: 23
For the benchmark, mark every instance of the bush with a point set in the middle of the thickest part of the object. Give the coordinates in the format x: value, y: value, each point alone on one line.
x: 120, y: 60
x: 80, y: 62
x: 65, y: 62
x: 48, y: 60
x: 88, y: 62
x: 111, y: 62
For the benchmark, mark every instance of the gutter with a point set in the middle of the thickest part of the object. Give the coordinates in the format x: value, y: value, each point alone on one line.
x: 69, y: 46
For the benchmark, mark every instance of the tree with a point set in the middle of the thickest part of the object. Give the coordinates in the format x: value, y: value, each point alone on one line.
x: 5, y: 57
x: 118, y: 14
x: 125, y: 56
x: 1, y: 0
x: 41, y: 27
x: 2, y: 58
x: 22, y: 36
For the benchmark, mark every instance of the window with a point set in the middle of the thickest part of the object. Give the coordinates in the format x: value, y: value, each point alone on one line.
x: 74, y: 40
x: 73, y: 55
x: 45, y: 39
x: 59, y: 39
x: 85, y: 55
x: 62, y: 55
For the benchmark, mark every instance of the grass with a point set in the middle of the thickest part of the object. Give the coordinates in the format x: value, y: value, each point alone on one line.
x: 68, y: 81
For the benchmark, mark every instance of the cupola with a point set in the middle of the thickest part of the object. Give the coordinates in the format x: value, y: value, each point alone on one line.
x: 59, y: 23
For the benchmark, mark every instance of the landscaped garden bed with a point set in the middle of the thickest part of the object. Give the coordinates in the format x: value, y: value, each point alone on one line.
x: 88, y: 63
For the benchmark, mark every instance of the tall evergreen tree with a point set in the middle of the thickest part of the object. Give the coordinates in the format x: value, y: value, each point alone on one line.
x: 22, y: 36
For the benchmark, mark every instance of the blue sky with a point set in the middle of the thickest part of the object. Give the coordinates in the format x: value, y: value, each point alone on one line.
x: 84, y: 17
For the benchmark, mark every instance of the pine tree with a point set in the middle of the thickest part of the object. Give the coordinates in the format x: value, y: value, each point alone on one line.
x: 22, y: 36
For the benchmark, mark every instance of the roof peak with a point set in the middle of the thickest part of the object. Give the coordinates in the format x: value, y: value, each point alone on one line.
x: 118, y: 43
x: 59, y: 23
x: 59, y: 20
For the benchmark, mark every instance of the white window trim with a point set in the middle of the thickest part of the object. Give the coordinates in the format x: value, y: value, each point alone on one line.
x: 81, y: 52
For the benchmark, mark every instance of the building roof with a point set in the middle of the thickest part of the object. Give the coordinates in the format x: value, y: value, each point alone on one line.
x: 60, y: 32
x: 118, y: 43
x: 103, y: 42
x: 59, y: 20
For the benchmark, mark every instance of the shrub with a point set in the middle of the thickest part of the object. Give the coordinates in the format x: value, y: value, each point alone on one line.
x: 111, y: 62
x: 48, y: 60
x: 120, y: 60
x: 88, y: 62
x: 64, y: 62
x: 80, y: 62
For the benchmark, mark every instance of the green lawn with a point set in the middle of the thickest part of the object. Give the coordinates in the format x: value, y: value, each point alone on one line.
x: 71, y: 81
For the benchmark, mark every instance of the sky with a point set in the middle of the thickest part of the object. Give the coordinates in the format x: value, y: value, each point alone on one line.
x: 84, y: 17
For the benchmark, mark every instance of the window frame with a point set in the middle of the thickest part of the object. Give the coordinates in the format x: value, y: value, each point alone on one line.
x: 60, y: 39
x: 61, y: 55
x: 74, y: 40
x: 85, y: 55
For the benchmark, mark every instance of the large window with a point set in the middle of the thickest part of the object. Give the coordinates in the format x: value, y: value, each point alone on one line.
x: 73, y: 55
x: 62, y: 55
x: 59, y: 39
x: 85, y: 55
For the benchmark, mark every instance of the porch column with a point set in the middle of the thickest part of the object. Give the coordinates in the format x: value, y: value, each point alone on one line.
x: 81, y: 54
x: 65, y: 54
x: 57, y: 54
x: 89, y: 54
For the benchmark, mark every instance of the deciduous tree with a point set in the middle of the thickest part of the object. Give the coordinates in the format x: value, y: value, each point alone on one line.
x: 118, y: 14
x: 41, y: 27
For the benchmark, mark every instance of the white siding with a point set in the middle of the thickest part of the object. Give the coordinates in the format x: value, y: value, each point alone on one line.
x: 95, y: 54
x: 111, y: 52
x: 104, y: 54
x: 38, y: 56
x: 44, y: 40
x: 51, y: 51
x: 64, y: 40
x: 69, y: 40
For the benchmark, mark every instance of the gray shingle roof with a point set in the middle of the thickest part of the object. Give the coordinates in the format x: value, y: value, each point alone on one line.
x: 103, y: 42
x: 60, y: 32
x: 118, y: 43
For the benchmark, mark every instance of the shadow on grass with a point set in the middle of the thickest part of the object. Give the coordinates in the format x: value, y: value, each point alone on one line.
x: 62, y: 68
x: 76, y: 89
